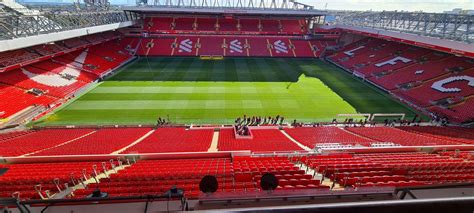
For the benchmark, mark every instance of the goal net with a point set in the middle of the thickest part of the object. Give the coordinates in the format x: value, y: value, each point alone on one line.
x: 382, y: 116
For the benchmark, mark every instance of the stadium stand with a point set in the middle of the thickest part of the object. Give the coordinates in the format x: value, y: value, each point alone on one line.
x: 46, y: 82
x: 248, y: 171
x: 11, y: 135
x: 460, y: 134
x: 468, y: 155
x: 398, y: 136
x: 227, y: 25
x: 259, y: 46
x: 158, y: 176
x: 240, y: 174
x: 311, y: 136
x: 57, y: 85
x: 263, y: 140
x: 13, y: 57
x: 174, y: 140
x: 40, y: 140
x: 411, y: 73
x: 391, y: 169
x: 15, y: 99
x: 103, y: 141
x: 22, y: 178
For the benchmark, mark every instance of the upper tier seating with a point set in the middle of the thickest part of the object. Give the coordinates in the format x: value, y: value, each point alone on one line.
x: 104, y: 141
x: 205, y: 24
x: 98, y: 59
x: 311, y: 136
x: 292, y: 26
x: 40, y: 140
x: 23, y: 178
x: 227, y: 25
x: 52, y: 83
x: 155, y: 24
x: 395, y: 58
x: 48, y: 49
x: 74, y: 42
x: 420, y: 71
x: 62, y: 66
x: 425, y: 94
x: 174, y: 140
x: 350, y: 49
x: 263, y: 140
x: 413, y: 74
x: 404, y: 138
x: 249, y: 25
x: 60, y: 77
x: 16, y: 56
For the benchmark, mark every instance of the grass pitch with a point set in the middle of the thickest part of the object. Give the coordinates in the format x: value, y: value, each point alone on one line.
x: 191, y: 90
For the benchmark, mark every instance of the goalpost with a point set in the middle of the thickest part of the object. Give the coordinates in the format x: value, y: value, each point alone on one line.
x: 354, y: 116
x: 395, y: 115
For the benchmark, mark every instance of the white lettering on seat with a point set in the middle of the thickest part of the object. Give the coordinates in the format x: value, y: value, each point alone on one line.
x: 186, y: 46
x: 351, y: 52
x: 56, y: 80
x: 280, y: 47
x: 393, y: 61
x: 439, y: 85
x: 236, y: 46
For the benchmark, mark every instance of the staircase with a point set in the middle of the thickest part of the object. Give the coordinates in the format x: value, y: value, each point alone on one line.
x: 22, y: 117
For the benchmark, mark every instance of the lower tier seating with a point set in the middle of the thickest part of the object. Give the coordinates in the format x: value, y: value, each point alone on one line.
x: 158, y: 176
x: 20, y: 179
x: 15, y: 99
x: 460, y: 134
x: 392, y: 169
x: 240, y: 175
x: 15, y: 134
x: 103, y: 141
x: 263, y: 140
x: 39, y: 140
x: 174, y: 140
x: 312, y: 136
x: 404, y: 138
x: 260, y: 46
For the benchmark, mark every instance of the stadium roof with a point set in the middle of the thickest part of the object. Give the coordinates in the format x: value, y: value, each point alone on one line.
x: 239, y: 7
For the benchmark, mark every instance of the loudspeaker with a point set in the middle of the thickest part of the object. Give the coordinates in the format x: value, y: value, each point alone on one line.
x: 268, y: 182
x: 208, y: 184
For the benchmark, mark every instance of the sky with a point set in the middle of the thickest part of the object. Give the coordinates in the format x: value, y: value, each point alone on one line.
x: 379, y: 5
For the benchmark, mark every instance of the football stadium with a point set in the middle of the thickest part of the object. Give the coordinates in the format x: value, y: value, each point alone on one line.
x: 246, y: 105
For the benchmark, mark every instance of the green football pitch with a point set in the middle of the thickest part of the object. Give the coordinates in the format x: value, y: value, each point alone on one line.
x: 195, y: 91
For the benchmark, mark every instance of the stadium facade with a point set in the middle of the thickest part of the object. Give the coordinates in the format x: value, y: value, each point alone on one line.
x: 127, y: 110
